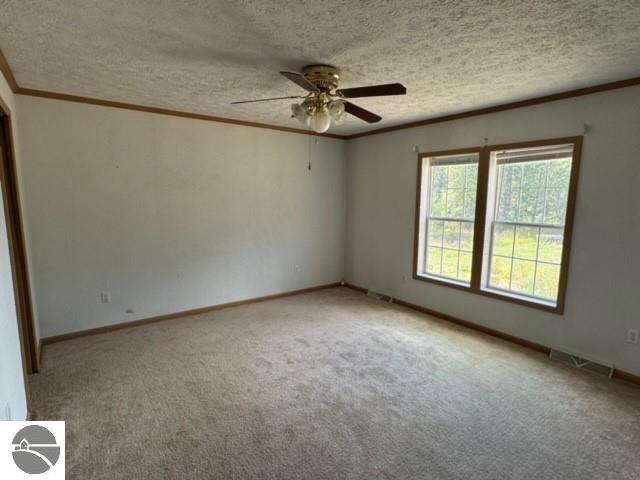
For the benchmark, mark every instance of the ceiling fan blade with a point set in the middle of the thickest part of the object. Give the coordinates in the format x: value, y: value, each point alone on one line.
x: 373, y: 91
x: 301, y: 81
x: 266, y: 99
x: 361, y: 113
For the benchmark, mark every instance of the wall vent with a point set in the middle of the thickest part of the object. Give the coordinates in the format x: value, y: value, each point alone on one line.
x: 578, y: 361
x: 380, y: 296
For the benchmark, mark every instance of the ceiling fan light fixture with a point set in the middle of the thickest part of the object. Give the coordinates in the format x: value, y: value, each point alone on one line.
x: 301, y: 114
x: 325, y: 103
x: 337, y: 111
x: 320, y: 120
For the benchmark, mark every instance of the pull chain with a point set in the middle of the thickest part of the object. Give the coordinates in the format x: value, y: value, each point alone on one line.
x: 310, y: 149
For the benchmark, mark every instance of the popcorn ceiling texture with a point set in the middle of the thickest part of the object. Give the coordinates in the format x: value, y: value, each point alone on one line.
x: 198, y: 56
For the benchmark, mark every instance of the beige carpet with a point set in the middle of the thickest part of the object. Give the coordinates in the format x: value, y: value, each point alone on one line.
x: 330, y: 385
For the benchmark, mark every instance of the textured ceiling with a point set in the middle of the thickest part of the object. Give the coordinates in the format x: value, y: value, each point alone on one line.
x: 198, y: 56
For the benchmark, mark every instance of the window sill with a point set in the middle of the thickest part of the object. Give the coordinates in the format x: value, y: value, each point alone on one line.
x: 492, y: 293
x: 522, y: 298
x: 442, y: 281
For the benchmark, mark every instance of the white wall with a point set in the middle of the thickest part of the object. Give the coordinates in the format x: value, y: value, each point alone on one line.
x: 171, y: 214
x: 603, y: 296
x: 12, y: 389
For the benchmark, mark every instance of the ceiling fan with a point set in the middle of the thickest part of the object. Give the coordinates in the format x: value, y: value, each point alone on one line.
x: 325, y: 102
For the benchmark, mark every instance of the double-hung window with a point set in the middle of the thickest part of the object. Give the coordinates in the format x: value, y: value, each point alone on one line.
x: 496, y: 220
x: 449, y: 206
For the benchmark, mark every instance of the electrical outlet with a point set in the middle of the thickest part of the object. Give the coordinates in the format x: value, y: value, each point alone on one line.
x: 105, y: 297
x: 633, y: 335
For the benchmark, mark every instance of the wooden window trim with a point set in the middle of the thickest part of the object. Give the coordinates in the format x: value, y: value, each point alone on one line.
x: 480, y: 221
x: 416, y: 241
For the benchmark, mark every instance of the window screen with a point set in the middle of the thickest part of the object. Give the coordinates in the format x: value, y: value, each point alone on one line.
x: 527, y: 228
x: 451, y: 184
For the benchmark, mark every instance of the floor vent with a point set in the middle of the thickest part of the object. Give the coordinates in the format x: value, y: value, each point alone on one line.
x: 379, y: 296
x: 580, y: 362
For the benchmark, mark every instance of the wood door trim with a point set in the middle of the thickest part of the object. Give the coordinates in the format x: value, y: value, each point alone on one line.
x: 17, y: 249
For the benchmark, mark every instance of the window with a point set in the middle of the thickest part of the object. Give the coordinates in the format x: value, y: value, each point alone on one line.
x: 497, y: 220
x: 528, y: 220
x: 450, y: 205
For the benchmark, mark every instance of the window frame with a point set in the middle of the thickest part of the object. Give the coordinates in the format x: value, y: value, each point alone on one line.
x: 434, y: 279
x: 482, y: 222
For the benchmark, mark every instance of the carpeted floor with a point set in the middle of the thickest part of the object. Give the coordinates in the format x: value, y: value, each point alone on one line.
x: 330, y: 385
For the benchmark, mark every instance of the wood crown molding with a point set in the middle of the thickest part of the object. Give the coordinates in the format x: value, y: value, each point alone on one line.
x: 18, y: 90
x: 163, y: 111
x: 8, y: 74
x: 630, y: 82
x: 619, y: 374
x: 13, y: 84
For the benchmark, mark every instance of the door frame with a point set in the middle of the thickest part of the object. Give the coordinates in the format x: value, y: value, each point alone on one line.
x: 17, y: 249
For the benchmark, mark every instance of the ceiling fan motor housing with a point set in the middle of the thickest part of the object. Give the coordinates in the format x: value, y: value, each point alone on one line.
x: 324, y: 77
